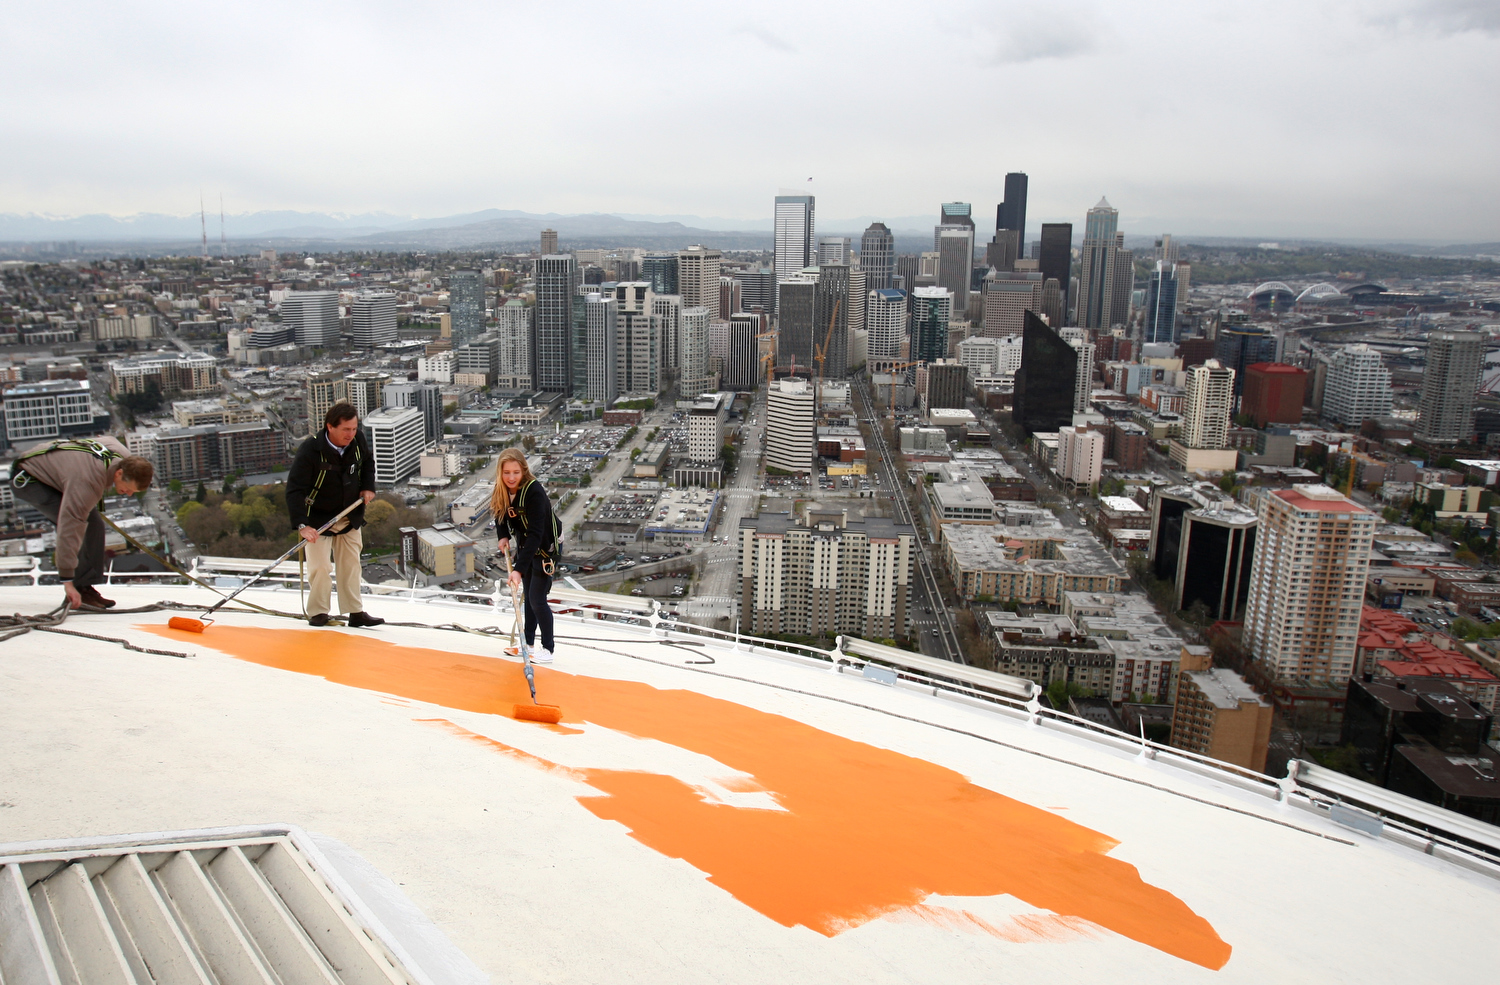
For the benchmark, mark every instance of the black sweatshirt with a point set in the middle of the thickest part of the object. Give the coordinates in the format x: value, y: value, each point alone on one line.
x: 343, y: 477
x: 536, y: 534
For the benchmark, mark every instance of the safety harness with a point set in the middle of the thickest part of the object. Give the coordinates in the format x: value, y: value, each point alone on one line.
x: 548, y: 564
x: 20, y: 479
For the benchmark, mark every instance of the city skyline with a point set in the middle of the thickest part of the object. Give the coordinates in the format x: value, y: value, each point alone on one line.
x: 1305, y: 148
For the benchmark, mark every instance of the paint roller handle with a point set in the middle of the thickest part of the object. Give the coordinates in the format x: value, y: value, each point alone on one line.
x: 311, y: 535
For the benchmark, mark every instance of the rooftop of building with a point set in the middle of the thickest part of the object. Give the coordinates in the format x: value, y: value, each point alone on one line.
x: 1318, y: 497
x: 687, y: 821
x: 977, y: 546
x: 1457, y: 774
x: 1121, y: 504
x: 444, y: 535
x: 1225, y: 689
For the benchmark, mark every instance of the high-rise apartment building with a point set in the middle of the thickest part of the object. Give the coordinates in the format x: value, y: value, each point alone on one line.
x: 859, y: 290
x: 1209, y: 406
x: 661, y: 270
x: 1046, y: 382
x: 1449, y: 382
x: 693, y: 368
x: 1161, y: 304
x: 1083, y: 375
x: 796, y: 321
x: 313, y: 317
x: 549, y: 242
x: 601, y: 313
x: 698, y: 279
x: 1219, y: 715
x: 365, y: 390
x: 466, y: 305
x: 1358, y: 387
x: 1011, y: 213
x: 397, y: 437
x: 320, y: 392
x: 481, y: 357
x: 731, y: 296
x: 831, y: 321
x: 931, y: 311
x: 513, y: 371
x: 877, y: 256
x: 1107, y: 275
x: 668, y: 311
x: 1273, y: 393
x: 553, y: 329
x: 790, y: 437
x: 705, y: 421
x: 824, y: 574
x: 372, y: 315
x: 794, y: 243
x: 1080, y: 456
x: 833, y: 250
x: 637, y: 339
x: 426, y: 397
x: 885, y: 318
x: 1307, y: 583
x: 1056, y: 258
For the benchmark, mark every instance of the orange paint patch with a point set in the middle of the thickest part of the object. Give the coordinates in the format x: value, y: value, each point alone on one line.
x: 1024, y: 928
x: 866, y: 831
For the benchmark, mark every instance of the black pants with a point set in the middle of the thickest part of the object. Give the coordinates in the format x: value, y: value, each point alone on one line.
x: 535, y: 585
x: 90, y: 567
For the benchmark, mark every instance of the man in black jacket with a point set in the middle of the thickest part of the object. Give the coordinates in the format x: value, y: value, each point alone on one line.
x: 333, y: 469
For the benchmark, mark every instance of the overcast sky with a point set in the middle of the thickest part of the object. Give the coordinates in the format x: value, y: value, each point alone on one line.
x: 1376, y: 118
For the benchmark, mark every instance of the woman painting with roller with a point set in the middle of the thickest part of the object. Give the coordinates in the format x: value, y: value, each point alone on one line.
x: 523, y: 514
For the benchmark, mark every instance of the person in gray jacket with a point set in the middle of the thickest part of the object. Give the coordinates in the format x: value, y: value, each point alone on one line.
x: 65, y: 480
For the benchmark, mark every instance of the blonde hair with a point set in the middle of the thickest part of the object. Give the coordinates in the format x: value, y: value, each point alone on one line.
x: 500, y: 498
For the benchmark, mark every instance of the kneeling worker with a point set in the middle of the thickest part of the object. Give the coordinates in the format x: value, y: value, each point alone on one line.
x: 332, y: 469
x: 65, y: 480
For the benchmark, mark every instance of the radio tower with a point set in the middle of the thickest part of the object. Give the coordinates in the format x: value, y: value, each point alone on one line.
x: 203, y: 221
x: 223, y: 242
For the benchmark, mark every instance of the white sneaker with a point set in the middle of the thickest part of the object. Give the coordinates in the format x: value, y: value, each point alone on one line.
x: 541, y: 655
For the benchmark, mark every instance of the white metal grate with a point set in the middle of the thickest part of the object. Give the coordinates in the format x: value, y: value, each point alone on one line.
x: 189, y: 909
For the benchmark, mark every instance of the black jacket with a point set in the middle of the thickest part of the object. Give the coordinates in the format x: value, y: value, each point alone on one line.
x: 536, y: 534
x: 322, y: 481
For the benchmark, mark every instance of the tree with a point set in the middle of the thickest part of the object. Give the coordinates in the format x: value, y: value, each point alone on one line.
x: 202, y: 492
x: 175, y: 486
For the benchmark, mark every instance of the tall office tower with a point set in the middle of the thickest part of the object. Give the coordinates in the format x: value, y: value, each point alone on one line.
x: 1083, y: 375
x: 1161, y: 304
x: 757, y: 290
x: 1007, y: 298
x: 1099, y: 278
x: 466, y: 304
x: 1307, y: 584
x: 1052, y: 301
x: 1122, y: 274
x: 373, y: 315
x: 1003, y: 251
x: 831, y: 321
x: 955, y: 261
x: 731, y: 296
x: 661, y: 270
x: 1166, y: 250
x: 637, y: 339
x: 790, y: 426
x: 1454, y: 360
x: 859, y: 290
x: 931, y: 311
x: 1274, y: 393
x: 1055, y: 257
x: 1209, y: 407
x: 668, y: 311
x: 549, y: 242
x: 514, y: 369
x: 1239, y: 347
x: 553, y: 329
x: 601, y: 312
x: 877, y: 256
x: 947, y: 385
x: 1358, y: 387
x: 693, y: 372
x: 796, y: 322
x: 397, y: 437
x: 698, y: 279
x: 1047, y: 380
x: 908, y: 267
x: 313, y: 317
x: 794, y: 234
x: 1011, y: 213
x: 321, y: 391
x: 426, y: 397
x: 480, y: 357
x: 885, y: 318
x: 1080, y: 455
x: 833, y: 250
x: 960, y: 214
x: 742, y: 369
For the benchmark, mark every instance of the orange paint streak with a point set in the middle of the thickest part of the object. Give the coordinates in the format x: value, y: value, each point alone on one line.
x: 1025, y: 928
x: 866, y: 831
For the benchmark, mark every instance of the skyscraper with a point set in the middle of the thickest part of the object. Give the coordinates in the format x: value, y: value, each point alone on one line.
x: 1161, y: 304
x: 637, y: 339
x: 1449, y: 381
x: 885, y: 318
x: 1238, y: 347
x: 731, y: 296
x: 757, y: 290
x: 1358, y: 387
x: 877, y: 256
x: 694, y: 372
x: 1307, y: 583
x: 1083, y: 374
x: 796, y: 321
x: 661, y: 270
x: 831, y: 320
x: 1056, y: 259
x: 1007, y: 298
x: 698, y: 279
x: 931, y: 311
x: 514, y: 370
x: 1046, y: 381
x: 1101, y: 280
x: 552, y: 329
x: 1004, y: 250
x: 955, y: 260
x: 549, y: 242
x: 313, y: 317
x: 742, y: 364
x: 833, y: 250
x: 668, y: 311
x: 1011, y: 213
x: 397, y: 437
x: 426, y: 397
x: 466, y: 305
x: 1209, y: 406
x: 790, y: 427
x: 373, y: 316
x: 602, y: 315
x: 794, y: 234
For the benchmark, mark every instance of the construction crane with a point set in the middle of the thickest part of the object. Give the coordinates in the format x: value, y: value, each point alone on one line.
x: 820, y: 356
x: 892, y: 387
x: 769, y: 358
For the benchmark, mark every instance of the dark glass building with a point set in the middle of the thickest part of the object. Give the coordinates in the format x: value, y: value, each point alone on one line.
x: 1161, y: 305
x: 1239, y: 347
x: 877, y: 256
x: 833, y: 306
x: 552, y: 328
x: 1056, y: 261
x: 795, y: 324
x: 661, y: 270
x: 1011, y: 213
x: 1045, y: 381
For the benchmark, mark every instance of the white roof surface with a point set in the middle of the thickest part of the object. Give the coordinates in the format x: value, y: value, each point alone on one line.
x: 751, y: 819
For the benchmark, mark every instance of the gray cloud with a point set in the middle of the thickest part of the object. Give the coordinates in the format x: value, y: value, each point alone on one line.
x: 1027, y: 34
x: 767, y: 38
x: 1442, y: 17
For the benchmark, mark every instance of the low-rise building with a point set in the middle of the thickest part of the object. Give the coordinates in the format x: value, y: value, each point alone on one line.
x: 1219, y: 715
x: 1047, y: 648
x: 445, y: 555
x: 1029, y: 564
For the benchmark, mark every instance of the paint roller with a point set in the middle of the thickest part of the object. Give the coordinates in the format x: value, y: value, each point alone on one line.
x: 191, y: 625
x: 534, y: 712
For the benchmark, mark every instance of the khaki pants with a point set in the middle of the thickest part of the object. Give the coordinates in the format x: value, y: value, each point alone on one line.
x: 330, y: 554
